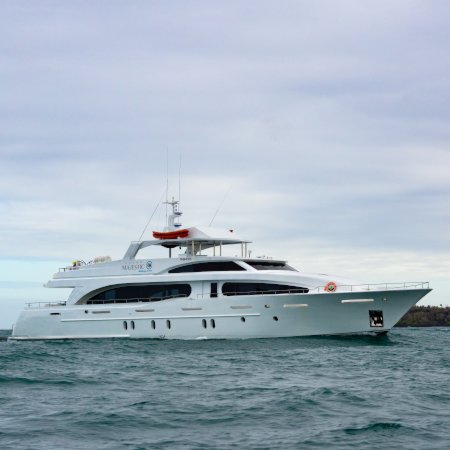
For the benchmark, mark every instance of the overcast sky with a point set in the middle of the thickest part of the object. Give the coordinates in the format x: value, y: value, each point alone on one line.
x: 323, y: 126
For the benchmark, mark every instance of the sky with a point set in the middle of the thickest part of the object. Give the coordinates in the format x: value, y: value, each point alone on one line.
x: 320, y: 130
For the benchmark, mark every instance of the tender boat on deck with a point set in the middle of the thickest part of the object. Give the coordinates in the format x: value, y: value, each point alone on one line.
x: 194, y: 295
x: 171, y: 234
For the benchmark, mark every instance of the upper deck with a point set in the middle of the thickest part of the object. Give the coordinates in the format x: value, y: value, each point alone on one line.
x: 191, y: 250
x: 193, y: 245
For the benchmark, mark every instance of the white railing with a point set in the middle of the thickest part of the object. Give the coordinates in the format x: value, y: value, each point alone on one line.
x: 321, y: 289
x: 298, y: 291
x: 39, y: 305
x: 105, y: 302
x: 134, y: 300
x: 376, y: 287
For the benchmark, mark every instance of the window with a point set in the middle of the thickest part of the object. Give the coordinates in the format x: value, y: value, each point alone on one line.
x: 269, y: 265
x: 125, y: 325
x: 213, y: 323
x: 141, y: 293
x: 168, y: 324
x: 213, y: 290
x: 153, y: 324
x: 132, y: 324
x: 204, y: 323
x: 210, y: 266
x: 261, y: 288
x: 110, y: 294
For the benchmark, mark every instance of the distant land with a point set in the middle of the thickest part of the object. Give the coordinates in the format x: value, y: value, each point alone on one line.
x: 426, y: 316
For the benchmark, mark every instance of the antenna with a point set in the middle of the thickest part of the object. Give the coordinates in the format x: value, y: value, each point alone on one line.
x: 220, y: 205
x: 151, y: 217
x: 179, y: 181
x: 167, y: 180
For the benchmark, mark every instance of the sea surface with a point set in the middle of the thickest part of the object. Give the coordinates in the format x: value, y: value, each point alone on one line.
x: 359, y: 392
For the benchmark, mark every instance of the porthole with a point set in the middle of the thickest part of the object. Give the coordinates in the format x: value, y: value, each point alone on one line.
x: 153, y: 324
x: 132, y: 324
x: 125, y: 325
x: 204, y: 323
x: 168, y: 324
x: 275, y: 318
x: 242, y: 319
x: 266, y: 306
x: 86, y: 311
x: 213, y: 323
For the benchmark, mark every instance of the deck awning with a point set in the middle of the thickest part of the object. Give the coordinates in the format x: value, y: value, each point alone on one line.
x: 192, y: 245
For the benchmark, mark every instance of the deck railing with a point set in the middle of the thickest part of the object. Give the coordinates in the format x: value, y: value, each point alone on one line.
x: 45, y: 304
x: 376, y: 287
x: 321, y: 289
x: 105, y: 302
x: 299, y: 290
x: 134, y: 300
x: 65, y: 269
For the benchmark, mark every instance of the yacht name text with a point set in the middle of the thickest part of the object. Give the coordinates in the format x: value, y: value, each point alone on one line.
x: 133, y: 266
x: 142, y: 267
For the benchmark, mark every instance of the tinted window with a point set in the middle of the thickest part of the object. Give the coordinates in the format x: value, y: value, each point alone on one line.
x: 141, y: 293
x: 261, y: 288
x: 269, y: 265
x: 211, y: 266
x: 213, y: 290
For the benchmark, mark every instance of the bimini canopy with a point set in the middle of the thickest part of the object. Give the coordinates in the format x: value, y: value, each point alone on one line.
x: 196, y: 241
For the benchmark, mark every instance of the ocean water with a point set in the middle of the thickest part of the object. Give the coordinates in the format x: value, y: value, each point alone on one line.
x: 358, y: 392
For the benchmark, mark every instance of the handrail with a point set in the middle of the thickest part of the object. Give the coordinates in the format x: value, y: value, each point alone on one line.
x: 134, y: 300
x: 340, y: 289
x: 105, y: 302
x: 299, y: 290
x: 45, y: 304
x: 376, y: 286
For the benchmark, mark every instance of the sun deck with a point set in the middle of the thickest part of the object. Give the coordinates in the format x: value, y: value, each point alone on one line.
x: 193, y: 245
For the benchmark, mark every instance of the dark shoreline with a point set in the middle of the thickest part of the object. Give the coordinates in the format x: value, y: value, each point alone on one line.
x: 426, y: 316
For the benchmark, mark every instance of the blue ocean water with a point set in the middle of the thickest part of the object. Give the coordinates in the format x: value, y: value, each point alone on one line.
x: 359, y: 392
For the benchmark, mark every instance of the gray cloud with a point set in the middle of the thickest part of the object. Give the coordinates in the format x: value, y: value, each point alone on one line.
x: 326, y: 121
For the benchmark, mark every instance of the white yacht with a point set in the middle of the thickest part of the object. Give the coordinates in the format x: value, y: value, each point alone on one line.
x: 194, y: 295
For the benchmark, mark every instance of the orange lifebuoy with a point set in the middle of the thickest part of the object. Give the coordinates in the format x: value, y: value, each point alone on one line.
x: 330, y: 287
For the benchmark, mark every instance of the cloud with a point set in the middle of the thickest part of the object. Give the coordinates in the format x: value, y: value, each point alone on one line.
x: 326, y: 122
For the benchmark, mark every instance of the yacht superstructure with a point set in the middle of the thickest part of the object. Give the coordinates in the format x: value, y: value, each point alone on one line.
x: 193, y: 295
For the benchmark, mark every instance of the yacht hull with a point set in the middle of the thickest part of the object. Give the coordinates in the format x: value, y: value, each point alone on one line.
x: 225, y: 317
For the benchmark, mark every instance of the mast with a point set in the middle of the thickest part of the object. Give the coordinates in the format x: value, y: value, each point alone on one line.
x: 173, y: 219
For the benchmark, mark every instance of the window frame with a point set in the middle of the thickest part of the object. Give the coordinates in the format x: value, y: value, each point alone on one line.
x: 254, y: 288
x: 116, y: 294
x: 181, y: 269
x: 270, y: 265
